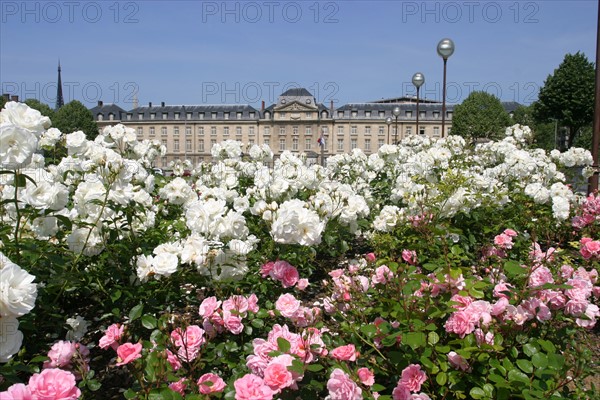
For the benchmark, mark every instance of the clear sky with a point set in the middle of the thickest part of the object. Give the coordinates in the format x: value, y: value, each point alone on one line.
x: 207, y: 52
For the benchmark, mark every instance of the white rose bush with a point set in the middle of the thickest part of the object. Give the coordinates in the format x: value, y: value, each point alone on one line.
x: 432, y: 269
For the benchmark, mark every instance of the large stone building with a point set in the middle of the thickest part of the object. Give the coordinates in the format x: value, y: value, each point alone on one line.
x: 295, y: 123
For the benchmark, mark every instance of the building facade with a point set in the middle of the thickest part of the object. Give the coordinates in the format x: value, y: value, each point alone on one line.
x: 295, y: 123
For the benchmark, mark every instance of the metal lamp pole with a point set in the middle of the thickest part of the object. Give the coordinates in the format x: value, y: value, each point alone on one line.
x: 445, y: 49
x: 418, y: 80
x: 396, y: 113
x: 388, y: 121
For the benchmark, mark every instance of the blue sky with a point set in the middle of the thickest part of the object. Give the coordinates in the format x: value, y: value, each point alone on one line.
x: 207, y: 52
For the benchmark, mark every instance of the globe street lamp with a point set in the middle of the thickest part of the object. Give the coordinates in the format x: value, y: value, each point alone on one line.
x: 418, y: 80
x: 445, y: 49
x: 388, y: 121
x: 396, y: 113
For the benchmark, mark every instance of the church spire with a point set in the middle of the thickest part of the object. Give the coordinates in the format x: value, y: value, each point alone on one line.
x: 59, y: 94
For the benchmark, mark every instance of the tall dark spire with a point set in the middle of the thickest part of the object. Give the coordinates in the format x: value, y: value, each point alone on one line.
x: 59, y: 95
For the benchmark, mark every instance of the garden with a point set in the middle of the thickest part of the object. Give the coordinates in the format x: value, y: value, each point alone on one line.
x: 431, y: 269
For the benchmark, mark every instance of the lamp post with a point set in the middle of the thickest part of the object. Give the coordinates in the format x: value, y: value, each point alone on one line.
x: 445, y: 49
x: 388, y: 121
x: 593, y: 181
x: 396, y: 113
x: 418, y: 80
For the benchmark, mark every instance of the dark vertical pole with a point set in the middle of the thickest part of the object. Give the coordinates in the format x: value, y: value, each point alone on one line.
x: 417, y: 132
x: 396, y: 130
x: 444, y: 99
x: 593, y: 183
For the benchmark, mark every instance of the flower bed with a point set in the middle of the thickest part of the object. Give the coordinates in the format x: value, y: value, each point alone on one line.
x: 429, y: 270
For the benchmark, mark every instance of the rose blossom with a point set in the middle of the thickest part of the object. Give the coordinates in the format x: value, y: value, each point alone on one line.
x: 253, y: 303
x: 287, y: 305
x: 233, y: 323
x: 179, y: 386
x: 209, y: 306
x: 589, y: 248
x: 413, y: 377
x: 401, y: 392
x: 302, y: 284
x: 457, y: 361
x: 111, y: 337
x: 252, y: 387
x: 18, y: 391
x: 409, y: 256
x: 210, y: 383
x: 128, y: 352
x: 277, y: 376
x: 53, y: 384
x: 341, y: 387
x: 370, y: 257
x: 460, y: 323
x: 60, y: 355
x: 344, y: 353
x: 366, y: 376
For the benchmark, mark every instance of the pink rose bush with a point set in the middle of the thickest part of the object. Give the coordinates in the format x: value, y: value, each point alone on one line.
x: 50, y: 384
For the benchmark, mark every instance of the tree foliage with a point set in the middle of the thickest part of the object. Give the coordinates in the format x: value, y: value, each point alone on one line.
x: 480, y: 115
x: 74, y: 116
x: 568, y: 95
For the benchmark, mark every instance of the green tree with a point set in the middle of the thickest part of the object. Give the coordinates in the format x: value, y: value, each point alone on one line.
x: 2, y: 102
x: 568, y: 95
x: 43, y: 108
x: 480, y: 115
x: 74, y: 116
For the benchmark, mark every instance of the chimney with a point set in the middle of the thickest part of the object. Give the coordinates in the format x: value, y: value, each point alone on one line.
x: 150, y: 104
x: 14, y: 98
x: 162, y: 103
x: 6, y: 96
x: 262, y: 106
x: 331, y: 108
x: 100, y: 104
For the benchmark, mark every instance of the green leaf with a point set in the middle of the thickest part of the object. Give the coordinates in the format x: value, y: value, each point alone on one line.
x: 516, y: 375
x: 93, y: 385
x: 433, y: 338
x: 525, y: 366
x: 283, y: 345
x: 539, y: 360
x: 115, y: 295
x: 314, y: 367
x: 257, y: 323
x: 136, y: 312
x: 556, y: 361
x: 414, y: 339
x: 477, y: 393
x: 441, y: 378
x: 530, y: 349
x: 513, y: 268
x: 149, y: 322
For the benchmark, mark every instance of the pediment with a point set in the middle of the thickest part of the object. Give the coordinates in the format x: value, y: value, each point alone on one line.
x: 296, y: 106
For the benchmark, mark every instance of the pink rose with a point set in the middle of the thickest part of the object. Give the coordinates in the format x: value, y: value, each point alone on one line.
x: 366, y: 376
x: 345, y: 353
x: 209, y: 306
x: 462, y: 301
x: 111, y: 337
x: 277, y: 376
x: 53, y: 384
x: 457, y: 361
x: 302, y: 284
x: 409, y: 256
x: 233, y: 323
x: 61, y: 354
x: 287, y: 305
x: 253, y: 303
x: 128, y: 352
x: 412, y: 377
x: 510, y: 232
x: 192, y: 338
x: 540, y: 276
x: 290, y: 277
x: 401, y: 392
x: 502, y: 289
x: 179, y: 386
x: 279, y: 268
x: 210, y: 383
x: 18, y: 391
x: 503, y: 241
x: 265, y: 269
x: 173, y: 360
x: 370, y: 257
x: 460, y: 323
x: 236, y: 303
x: 252, y: 387
x: 589, y: 248
x: 382, y: 275
x: 341, y: 387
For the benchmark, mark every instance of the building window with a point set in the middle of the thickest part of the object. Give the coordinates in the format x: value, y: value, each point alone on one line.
x: 164, y: 161
x: 201, y: 145
x: 325, y: 130
x: 153, y: 116
x: 449, y: 114
x: 176, y: 115
x: 165, y: 115
x: 267, y: 130
x: 129, y: 117
x: 308, y: 114
x: 381, y: 114
x: 251, y: 130
x: 353, y: 130
x: 226, y: 131
x: 381, y: 130
x: 188, y: 130
x: 175, y: 130
x: 238, y: 130
x: 252, y: 115
x: 226, y: 115
x: 353, y: 144
x: 188, y: 145
x: 421, y: 130
x: 295, y: 144
x: 307, y: 143
x: 176, y: 145
x: 164, y: 143
x: 140, y: 131
x: 380, y: 143
x: 295, y: 130
x: 408, y: 114
x: 354, y: 113
x: 282, y: 130
x: 340, y: 114
x: 213, y: 115
x: 436, y: 131
x: 267, y: 142
x: 449, y: 130
x: 340, y: 144
x: 151, y: 131
x: 239, y: 115
x: 308, y: 130
x: 436, y: 114
x: 201, y: 115
x: 213, y: 130
x: 100, y: 117
x: 212, y: 143
x: 281, y: 144
x: 408, y: 130
x: 140, y: 116
x: 367, y: 130
x: 340, y: 130
x: 189, y: 115
x: 368, y: 114
x: 111, y: 117
x: 281, y: 115
x: 421, y: 114
x: 368, y: 144
x: 201, y: 130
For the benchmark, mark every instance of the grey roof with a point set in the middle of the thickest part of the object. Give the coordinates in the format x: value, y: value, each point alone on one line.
x: 361, y: 109
x: 106, y: 109
x: 406, y: 99
x: 296, y: 92
x: 199, y: 112
x: 510, y: 106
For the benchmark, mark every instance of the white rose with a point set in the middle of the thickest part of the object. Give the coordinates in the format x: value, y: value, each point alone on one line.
x: 50, y: 137
x: 294, y: 223
x: 11, y: 338
x: 165, y: 264
x: 76, y: 143
x: 46, y: 195
x: 77, y: 242
x: 17, y: 145
x: 17, y: 291
x: 20, y: 114
x: 79, y: 328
